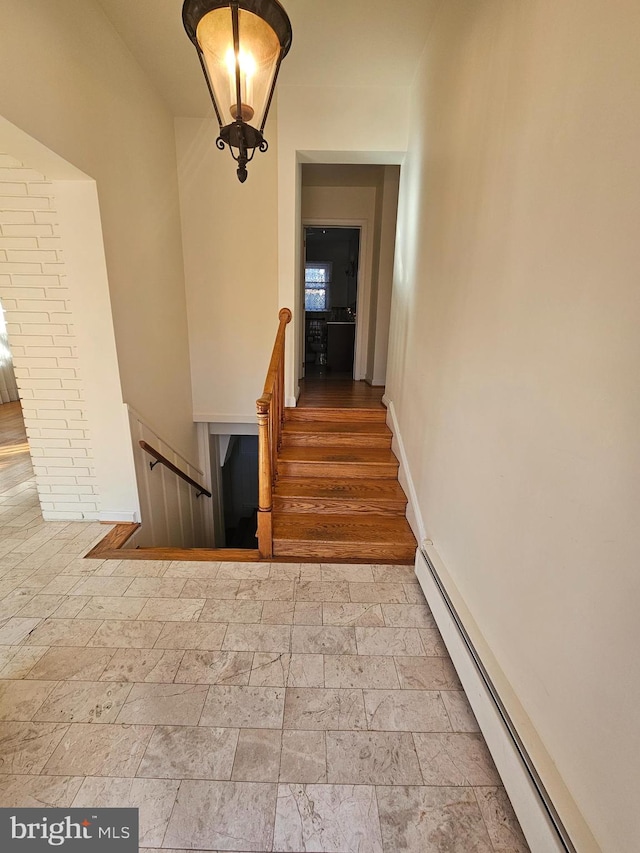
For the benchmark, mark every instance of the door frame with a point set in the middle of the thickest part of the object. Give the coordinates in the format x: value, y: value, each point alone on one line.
x: 363, y: 288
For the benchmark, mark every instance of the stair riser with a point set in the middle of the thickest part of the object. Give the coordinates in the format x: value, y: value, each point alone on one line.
x: 337, y: 415
x: 341, y: 470
x: 328, y: 439
x: 364, y: 551
x: 329, y: 507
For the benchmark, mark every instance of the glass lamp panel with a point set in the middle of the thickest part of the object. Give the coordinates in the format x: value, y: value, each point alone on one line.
x: 258, y: 59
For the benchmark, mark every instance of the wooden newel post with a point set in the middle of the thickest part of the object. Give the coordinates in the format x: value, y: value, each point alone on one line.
x: 270, y: 418
x: 265, y: 480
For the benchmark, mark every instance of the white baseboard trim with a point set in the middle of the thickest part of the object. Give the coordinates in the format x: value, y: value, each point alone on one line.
x: 114, y: 517
x: 541, y: 825
x: 414, y: 517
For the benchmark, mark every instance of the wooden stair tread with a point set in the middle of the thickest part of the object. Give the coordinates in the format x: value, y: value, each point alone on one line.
x: 337, y: 427
x: 364, y: 455
x: 343, y: 528
x: 347, y: 488
x: 335, y: 538
x: 332, y: 414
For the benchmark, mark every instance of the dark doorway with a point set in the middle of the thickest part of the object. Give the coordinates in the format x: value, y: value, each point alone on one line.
x: 330, y: 299
x: 240, y: 489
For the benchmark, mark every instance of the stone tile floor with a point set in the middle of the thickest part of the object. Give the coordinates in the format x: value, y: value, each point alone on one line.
x: 268, y: 707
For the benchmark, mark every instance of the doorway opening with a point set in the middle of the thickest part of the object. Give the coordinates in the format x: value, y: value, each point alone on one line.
x: 240, y: 491
x: 331, y: 261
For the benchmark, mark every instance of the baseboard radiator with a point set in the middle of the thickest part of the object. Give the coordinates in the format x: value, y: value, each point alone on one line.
x: 538, y: 817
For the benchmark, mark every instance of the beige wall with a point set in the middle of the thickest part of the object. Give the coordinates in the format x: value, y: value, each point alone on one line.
x: 70, y: 82
x: 514, y: 359
x: 230, y: 242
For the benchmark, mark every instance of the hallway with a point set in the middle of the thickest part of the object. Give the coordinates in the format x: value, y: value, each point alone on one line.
x: 338, y: 391
x: 309, y: 708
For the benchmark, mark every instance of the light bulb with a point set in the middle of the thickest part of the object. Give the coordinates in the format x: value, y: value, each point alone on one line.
x: 248, y: 68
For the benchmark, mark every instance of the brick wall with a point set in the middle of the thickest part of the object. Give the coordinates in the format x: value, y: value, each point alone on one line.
x: 39, y: 319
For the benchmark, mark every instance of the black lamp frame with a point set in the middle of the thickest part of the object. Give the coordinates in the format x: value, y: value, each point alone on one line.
x: 239, y: 134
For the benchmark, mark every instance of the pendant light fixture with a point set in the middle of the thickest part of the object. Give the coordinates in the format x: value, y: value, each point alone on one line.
x: 240, y: 45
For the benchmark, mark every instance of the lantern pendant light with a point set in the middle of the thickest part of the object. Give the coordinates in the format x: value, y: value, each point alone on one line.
x: 240, y: 45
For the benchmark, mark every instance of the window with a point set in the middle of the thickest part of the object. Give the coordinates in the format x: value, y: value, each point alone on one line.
x: 317, y: 282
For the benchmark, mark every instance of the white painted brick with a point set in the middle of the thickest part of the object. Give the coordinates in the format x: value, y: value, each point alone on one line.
x: 17, y: 217
x: 29, y: 317
x: 8, y: 289
x: 35, y: 340
x: 40, y: 325
x: 54, y: 352
x: 57, y: 394
x: 18, y: 269
x: 49, y: 425
x: 36, y: 280
x: 36, y: 256
x: 9, y: 162
x: 43, y: 383
x: 14, y: 188
x: 38, y: 188
x: 33, y: 364
x: 49, y: 242
x: 70, y: 490
x: 54, y: 407
x: 66, y: 373
x: 49, y: 442
x: 26, y: 229
x: 55, y: 515
x: 65, y: 453
x: 44, y: 216
x: 66, y: 341
x: 18, y: 243
x: 64, y: 471
x: 55, y: 463
x: 47, y: 305
x: 10, y: 202
x: 26, y: 175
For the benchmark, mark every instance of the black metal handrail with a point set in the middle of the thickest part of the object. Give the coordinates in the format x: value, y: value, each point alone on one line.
x: 164, y: 461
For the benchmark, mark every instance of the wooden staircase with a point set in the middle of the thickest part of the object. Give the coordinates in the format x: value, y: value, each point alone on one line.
x: 336, y: 494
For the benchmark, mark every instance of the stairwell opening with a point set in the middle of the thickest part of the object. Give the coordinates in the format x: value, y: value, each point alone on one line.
x: 239, y: 475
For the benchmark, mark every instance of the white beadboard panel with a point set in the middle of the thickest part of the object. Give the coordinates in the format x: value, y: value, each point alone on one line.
x: 171, y: 514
